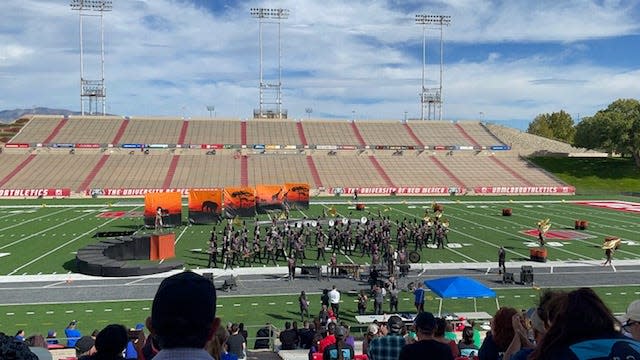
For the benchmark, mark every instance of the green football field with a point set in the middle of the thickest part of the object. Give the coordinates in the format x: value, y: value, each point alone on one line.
x: 42, y: 237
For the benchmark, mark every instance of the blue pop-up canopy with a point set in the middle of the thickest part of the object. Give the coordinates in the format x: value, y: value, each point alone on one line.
x: 459, y: 287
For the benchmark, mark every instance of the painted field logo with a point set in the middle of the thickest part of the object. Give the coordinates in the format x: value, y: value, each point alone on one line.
x: 613, y: 205
x: 562, y: 235
x: 120, y: 214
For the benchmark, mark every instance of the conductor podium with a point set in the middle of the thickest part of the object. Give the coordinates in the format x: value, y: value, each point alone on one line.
x: 110, y: 257
x: 526, y: 275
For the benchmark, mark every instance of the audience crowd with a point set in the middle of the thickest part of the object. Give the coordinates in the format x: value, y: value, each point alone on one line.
x: 563, y: 325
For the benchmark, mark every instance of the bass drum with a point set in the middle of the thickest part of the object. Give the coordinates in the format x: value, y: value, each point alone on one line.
x: 414, y: 257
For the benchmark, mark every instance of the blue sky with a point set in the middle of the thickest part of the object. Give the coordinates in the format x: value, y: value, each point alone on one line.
x: 505, y: 61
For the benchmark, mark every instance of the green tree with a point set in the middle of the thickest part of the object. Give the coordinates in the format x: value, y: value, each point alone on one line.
x: 614, y: 129
x: 557, y: 126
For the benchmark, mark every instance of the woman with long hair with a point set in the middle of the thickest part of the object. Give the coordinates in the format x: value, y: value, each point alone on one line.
x: 498, y: 339
x: 340, y: 350
x: 584, y: 328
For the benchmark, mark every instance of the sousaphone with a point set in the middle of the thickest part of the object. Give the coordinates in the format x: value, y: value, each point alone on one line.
x: 363, y: 220
x: 331, y: 222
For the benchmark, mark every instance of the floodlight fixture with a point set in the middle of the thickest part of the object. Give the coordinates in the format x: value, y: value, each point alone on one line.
x: 211, y: 109
x: 271, y: 16
x: 431, y: 98
x: 92, y: 91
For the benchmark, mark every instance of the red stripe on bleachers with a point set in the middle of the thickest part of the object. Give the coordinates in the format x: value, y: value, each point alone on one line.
x: 466, y: 135
x: 445, y: 170
x: 183, y: 132
x: 123, y: 127
x: 511, y: 171
x: 303, y: 138
x: 55, y: 131
x: 413, y: 135
x: 381, y: 171
x: 172, y: 171
x: 357, y: 132
x: 244, y: 170
x: 314, y: 171
x: 243, y: 132
x: 94, y: 172
x: 13, y: 173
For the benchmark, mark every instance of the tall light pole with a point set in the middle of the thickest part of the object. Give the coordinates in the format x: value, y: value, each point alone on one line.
x: 308, y: 111
x: 92, y: 91
x: 431, y: 98
x: 211, y: 109
x: 270, y: 16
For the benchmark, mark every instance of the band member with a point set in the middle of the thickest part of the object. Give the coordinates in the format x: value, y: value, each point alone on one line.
x: 608, y: 253
x: 320, y: 245
x: 256, y: 253
x: 159, y: 223
x: 213, y: 250
x: 291, y: 264
x: 501, y: 258
x: 333, y: 264
x: 543, y: 227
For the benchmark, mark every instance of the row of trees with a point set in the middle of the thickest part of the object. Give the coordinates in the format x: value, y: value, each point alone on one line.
x: 615, y: 129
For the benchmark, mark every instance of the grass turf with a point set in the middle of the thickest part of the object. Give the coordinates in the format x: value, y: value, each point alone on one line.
x: 255, y: 311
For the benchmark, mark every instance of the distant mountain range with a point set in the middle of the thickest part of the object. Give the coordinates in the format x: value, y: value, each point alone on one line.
x: 7, y: 116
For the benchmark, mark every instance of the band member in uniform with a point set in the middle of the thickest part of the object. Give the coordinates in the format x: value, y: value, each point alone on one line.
x: 501, y: 258
x: 333, y: 264
x: 256, y: 253
x: 608, y: 253
x: 213, y: 250
x: 291, y: 264
x: 320, y: 245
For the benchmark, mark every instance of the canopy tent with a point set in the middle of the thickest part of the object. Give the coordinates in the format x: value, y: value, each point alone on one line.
x: 456, y: 287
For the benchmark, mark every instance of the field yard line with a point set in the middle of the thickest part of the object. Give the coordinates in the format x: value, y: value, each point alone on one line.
x: 454, y: 251
x: 34, y: 219
x: 43, y: 231
x: 61, y: 246
x: 603, y: 217
x: 54, y: 284
x: 604, y: 211
x: 522, y: 237
x: 591, y: 231
x: 180, y: 236
x: 10, y: 215
x: 610, y: 215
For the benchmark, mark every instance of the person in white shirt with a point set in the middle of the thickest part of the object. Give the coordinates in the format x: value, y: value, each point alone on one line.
x: 334, y: 301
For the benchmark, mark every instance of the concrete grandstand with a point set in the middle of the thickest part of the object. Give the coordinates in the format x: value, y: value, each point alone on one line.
x: 81, y: 154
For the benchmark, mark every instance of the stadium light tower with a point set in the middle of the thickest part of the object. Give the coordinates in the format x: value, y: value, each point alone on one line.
x: 431, y: 98
x: 270, y: 16
x: 211, y: 109
x: 92, y: 92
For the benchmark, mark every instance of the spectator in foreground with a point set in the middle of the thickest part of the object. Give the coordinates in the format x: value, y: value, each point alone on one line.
x: 52, y: 337
x: 329, y: 339
x: 288, y: 337
x: 236, y: 344
x: 20, y: 335
x: 631, y: 320
x: 72, y: 333
x: 339, y: 350
x: 216, y: 347
x: 388, y: 347
x: 85, y: 346
x: 12, y: 349
x: 425, y: 325
x: 498, y: 339
x: 38, y: 346
x: 438, y: 334
x: 110, y: 343
x: 573, y: 335
x: 183, y: 316
x: 467, y: 341
x: 135, y: 340
x: 263, y: 337
x: 372, y: 333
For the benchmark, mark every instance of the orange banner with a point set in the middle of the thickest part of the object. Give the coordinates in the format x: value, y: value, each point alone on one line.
x: 297, y: 194
x: 207, y: 201
x: 269, y: 194
x: 239, y: 200
x: 170, y: 202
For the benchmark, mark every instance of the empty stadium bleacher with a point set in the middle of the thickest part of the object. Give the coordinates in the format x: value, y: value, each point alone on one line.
x: 199, y: 153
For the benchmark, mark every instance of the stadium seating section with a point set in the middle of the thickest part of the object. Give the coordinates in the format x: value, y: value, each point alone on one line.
x: 150, y: 153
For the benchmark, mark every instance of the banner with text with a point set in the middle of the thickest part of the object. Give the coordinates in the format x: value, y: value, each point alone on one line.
x: 137, y: 192
x: 205, y: 206
x: 35, y: 193
x: 515, y: 190
x: 433, y: 190
x: 167, y: 206
x: 239, y: 201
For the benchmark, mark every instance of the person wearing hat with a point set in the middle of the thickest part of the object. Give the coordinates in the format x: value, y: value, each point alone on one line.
x: 183, y: 317
x: 388, y: 347
x: 136, y: 336
x: 425, y: 324
x: 52, y: 337
x: 110, y: 343
x: 85, y: 346
x: 631, y: 320
x: 372, y: 332
x: 339, y: 350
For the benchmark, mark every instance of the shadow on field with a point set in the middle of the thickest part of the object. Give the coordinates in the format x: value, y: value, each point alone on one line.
x: 70, y: 265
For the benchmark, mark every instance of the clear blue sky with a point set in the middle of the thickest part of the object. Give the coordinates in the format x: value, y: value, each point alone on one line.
x: 505, y: 61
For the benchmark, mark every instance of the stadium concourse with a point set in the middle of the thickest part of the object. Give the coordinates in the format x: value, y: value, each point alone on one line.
x: 84, y: 156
